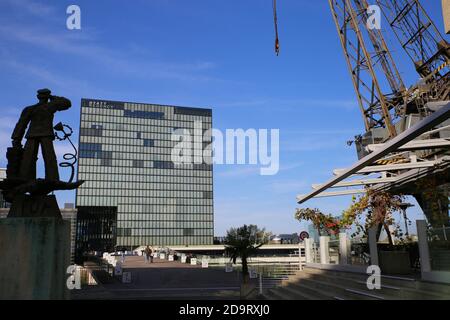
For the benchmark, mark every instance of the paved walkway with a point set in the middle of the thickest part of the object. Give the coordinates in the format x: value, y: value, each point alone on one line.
x: 167, y: 280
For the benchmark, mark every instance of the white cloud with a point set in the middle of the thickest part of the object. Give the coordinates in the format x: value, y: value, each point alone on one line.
x: 287, y: 167
x: 7, y: 124
x: 271, y: 216
x: 64, y: 83
x: 325, y: 132
x: 343, y: 104
x: 316, y: 140
x: 234, y: 171
x: 31, y: 7
x: 239, y: 171
x: 288, y: 186
x: 113, y: 60
x: 313, y: 143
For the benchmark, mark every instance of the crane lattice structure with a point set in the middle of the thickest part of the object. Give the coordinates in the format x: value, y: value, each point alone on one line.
x: 369, y: 62
x: 382, y: 95
x: 407, y: 138
x: 420, y: 39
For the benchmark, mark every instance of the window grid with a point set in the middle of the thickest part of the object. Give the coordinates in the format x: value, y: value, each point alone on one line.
x: 125, y: 152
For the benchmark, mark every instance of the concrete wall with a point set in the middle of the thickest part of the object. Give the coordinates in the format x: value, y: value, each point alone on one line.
x: 35, y: 254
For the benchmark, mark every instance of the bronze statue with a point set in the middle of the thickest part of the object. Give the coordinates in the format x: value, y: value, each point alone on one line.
x: 39, y: 119
x: 29, y: 195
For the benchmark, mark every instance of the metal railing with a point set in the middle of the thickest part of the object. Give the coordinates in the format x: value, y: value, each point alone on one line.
x: 439, y: 244
x: 271, y: 276
x: 359, y: 252
x: 334, y: 251
x: 265, y: 277
x: 315, y: 252
x: 266, y: 271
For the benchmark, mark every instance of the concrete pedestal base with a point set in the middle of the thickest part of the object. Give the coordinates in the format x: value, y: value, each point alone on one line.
x: 35, y: 254
x: 25, y: 206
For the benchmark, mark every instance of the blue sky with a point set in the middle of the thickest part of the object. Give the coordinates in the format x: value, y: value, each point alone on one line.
x: 204, y: 53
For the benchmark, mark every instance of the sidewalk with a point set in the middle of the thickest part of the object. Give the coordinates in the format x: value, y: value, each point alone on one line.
x: 167, y: 280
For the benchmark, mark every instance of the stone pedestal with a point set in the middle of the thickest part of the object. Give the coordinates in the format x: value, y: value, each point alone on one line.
x: 35, y: 254
x: 34, y: 206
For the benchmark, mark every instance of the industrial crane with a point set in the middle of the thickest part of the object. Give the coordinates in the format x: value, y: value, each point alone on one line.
x: 388, y: 107
x: 382, y: 95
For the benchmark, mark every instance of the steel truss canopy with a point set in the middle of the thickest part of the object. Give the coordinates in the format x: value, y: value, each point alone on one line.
x: 392, y: 173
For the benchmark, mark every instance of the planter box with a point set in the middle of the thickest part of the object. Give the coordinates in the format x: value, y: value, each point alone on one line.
x: 395, y: 262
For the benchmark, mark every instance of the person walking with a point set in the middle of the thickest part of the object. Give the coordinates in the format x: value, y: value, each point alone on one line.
x: 144, y: 254
x: 147, y: 253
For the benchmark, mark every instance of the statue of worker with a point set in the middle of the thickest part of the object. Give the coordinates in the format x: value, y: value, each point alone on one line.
x: 38, y: 119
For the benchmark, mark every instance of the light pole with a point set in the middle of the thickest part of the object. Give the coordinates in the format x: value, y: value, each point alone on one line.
x: 403, y: 207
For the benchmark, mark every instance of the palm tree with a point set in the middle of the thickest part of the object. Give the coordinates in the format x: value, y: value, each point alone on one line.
x: 244, y: 242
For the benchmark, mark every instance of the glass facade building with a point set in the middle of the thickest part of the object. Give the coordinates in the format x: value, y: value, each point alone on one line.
x: 134, y: 193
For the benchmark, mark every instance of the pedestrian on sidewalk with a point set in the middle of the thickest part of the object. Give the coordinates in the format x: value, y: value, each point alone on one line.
x: 147, y: 253
x: 144, y: 254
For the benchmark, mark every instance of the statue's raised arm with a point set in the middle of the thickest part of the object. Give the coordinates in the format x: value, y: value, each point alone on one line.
x: 59, y: 103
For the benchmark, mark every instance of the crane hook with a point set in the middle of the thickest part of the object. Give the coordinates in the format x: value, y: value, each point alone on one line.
x: 275, y: 20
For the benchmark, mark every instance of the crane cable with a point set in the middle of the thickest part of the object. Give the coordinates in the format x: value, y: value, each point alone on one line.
x: 275, y: 20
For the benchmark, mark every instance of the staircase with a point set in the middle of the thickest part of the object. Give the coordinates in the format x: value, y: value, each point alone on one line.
x: 316, y: 284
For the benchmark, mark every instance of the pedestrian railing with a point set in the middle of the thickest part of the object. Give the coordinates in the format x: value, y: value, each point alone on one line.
x: 439, y: 244
x: 315, y: 252
x: 273, y: 275
x: 334, y: 251
x: 359, y: 252
x: 267, y: 271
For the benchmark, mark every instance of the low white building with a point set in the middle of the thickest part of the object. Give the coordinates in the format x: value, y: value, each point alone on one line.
x: 3, y: 204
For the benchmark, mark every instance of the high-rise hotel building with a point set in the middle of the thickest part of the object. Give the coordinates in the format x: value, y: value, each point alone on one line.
x: 134, y: 193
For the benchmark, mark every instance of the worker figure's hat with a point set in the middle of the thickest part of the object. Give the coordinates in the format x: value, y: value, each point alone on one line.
x: 44, y: 92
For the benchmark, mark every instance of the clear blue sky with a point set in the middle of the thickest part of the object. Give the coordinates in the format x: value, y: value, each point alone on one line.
x: 205, y: 53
